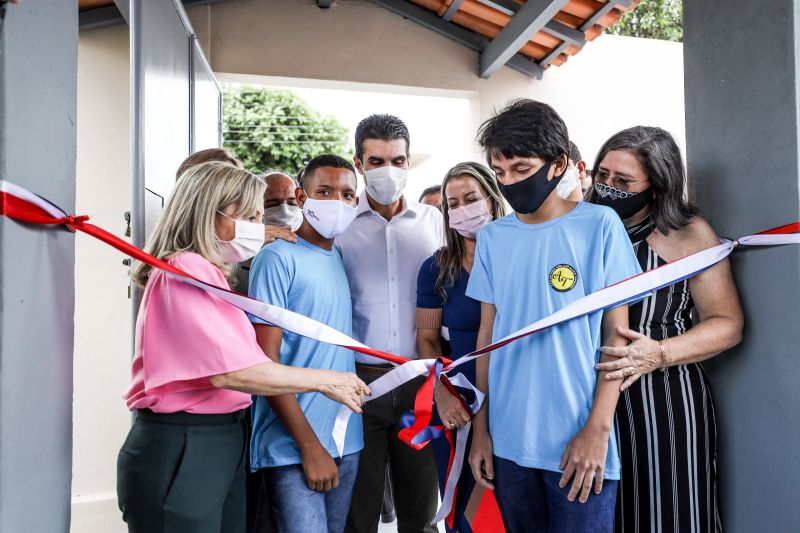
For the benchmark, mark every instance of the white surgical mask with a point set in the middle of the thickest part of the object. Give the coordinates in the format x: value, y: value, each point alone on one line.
x: 568, y: 182
x: 386, y: 184
x: 247, y: 241
x: 329, y: 217
x: 468, y: 219
x: 284, y: 215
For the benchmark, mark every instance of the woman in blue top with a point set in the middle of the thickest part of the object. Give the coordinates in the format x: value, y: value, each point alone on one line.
x: 470, y: 200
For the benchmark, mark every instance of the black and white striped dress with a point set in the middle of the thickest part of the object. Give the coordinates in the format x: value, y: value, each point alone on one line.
x: 666, y: 427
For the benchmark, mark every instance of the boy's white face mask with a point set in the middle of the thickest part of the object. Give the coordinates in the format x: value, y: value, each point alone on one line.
x: 329, y: 217
x: 247, y: 241
x: 386, y: 184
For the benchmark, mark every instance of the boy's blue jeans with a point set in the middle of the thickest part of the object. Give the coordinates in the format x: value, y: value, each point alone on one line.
x: 530, y: 500
x: 299, y: 509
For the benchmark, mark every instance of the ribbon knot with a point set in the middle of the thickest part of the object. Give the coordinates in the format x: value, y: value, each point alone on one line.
x: 70, y: 221
x: 77, y: 219
x: 74, y: 220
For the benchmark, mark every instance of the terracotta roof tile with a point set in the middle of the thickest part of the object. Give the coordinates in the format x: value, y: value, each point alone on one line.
x: 486, y: 19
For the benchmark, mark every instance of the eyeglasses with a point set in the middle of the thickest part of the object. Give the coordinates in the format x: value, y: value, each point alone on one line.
x: 617, y: 182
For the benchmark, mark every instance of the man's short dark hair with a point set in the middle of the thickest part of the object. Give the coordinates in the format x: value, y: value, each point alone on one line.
x: 324, y: 160
x: 525, y: 128
x: 574, y: 153
x: 430, y: 190
x: 383, y: 128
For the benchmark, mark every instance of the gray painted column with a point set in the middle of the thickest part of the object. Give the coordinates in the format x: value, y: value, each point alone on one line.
x: 741, y: 79
x: 38, y: 84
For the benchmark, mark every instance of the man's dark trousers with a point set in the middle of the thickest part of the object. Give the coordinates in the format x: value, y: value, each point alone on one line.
x: 413, y: 472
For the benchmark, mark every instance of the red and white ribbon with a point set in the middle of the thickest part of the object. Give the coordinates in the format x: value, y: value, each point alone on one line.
x: 22, y: 205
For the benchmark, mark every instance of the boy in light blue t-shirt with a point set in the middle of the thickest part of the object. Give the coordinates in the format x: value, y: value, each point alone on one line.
x: 543, y: 439
x: 309, y: 485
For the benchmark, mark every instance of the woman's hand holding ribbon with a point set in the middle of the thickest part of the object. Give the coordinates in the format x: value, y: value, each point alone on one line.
x: 345, y: 388
x: 640, y: 357
x: 451, y: 409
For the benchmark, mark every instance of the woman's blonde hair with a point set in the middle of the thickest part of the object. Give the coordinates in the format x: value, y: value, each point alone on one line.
x: 208, y: 155
x: 187, y: 223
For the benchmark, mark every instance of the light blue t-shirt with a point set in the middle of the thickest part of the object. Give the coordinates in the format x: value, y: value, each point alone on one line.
x: 542, y: 387
x: 311, y: 281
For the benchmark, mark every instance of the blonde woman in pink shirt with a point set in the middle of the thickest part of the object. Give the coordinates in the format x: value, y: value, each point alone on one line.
x: 197, y: 363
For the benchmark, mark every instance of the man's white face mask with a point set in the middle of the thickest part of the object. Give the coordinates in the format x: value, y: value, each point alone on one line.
x: 386, y: 184
x: 284, y: 215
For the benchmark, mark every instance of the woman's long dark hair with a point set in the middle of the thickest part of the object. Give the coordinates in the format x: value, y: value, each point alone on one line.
x: 451, y: 256
x: 660, y: 157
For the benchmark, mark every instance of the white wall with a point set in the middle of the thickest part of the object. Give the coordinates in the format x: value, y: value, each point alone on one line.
x: 102, y: 308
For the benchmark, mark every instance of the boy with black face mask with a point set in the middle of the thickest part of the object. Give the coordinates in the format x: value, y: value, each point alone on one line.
x: 543, y: 439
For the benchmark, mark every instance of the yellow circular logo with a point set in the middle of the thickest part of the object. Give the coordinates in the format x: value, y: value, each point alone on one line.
x: 563, y: 278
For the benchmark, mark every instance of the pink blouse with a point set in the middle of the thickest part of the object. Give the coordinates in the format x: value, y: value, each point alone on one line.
x: 183, y: 336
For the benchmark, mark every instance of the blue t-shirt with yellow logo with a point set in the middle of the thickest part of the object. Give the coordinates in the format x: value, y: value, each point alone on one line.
x: 542, y: 387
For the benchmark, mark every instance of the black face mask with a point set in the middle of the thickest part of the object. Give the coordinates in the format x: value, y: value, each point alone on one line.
x: 626, y: 204
x: 528, y: 195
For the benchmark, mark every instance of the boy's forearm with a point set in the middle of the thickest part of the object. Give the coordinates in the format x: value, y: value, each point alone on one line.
x: 286, y: 407
x: 485, y: 332
x: 480, y: 420
x: 605, y: 404
x: 288, y: 411
x: 607, y: 393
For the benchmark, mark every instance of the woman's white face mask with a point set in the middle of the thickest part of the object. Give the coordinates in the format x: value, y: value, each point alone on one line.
x: 247, y: 241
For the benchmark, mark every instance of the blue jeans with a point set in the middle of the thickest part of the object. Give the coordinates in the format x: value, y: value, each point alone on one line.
x: 296, y: 508
x: 530, y: 500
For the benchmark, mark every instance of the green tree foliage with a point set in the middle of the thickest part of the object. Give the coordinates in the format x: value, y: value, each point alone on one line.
x: 276, y: 129
x: 653, y: 19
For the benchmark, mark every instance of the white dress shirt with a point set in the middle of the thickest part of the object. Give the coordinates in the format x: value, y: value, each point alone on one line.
x: 382, y: 259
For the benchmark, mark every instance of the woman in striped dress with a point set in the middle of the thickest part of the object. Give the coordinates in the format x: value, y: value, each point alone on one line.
x: 665, y: 417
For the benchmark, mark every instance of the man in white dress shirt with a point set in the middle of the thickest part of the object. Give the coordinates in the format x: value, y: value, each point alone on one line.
x: 382, y: 251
